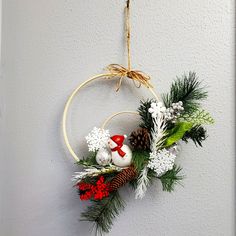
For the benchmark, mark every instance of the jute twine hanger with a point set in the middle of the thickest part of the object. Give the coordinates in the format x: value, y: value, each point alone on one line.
x: 116, y: 71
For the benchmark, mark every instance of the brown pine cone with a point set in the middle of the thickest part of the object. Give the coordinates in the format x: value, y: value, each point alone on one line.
x: 122, y: 178
x: 140, y: 139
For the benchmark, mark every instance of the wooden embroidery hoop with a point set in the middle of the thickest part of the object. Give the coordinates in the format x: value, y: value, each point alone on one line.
x: 118, y: 75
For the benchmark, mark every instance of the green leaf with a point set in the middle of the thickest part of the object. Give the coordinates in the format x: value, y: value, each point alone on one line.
x: 177, y: 133
x: 198, y: 117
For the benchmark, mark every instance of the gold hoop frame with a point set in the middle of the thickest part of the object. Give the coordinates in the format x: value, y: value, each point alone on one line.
x: 70, y: 99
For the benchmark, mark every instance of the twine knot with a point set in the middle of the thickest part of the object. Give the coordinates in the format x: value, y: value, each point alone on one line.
x: 139, y: 78
x: 129, y: 74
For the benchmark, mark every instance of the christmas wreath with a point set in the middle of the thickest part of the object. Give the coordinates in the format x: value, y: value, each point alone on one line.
x: 148, y: 154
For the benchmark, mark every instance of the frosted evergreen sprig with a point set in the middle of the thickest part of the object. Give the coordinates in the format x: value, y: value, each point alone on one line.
x: 93, y: 172
x: 157, y: 111
x: 142, y: 183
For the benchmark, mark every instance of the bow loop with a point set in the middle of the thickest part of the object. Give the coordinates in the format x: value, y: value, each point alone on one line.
x: 137, y: 76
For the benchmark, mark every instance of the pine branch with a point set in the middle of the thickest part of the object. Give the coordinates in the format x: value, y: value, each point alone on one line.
x: 146, y: 117
x: 186, y: 89
x: 89, y: 161
x: 103, y: 212
x: 198, y: 134
x: 140, y: 159
x: 171, y: 178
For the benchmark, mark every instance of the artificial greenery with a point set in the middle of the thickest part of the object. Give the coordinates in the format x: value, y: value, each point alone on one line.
x: 146, y: 117
x: 140, y: 159
x: 171, y: 178
x: 183, y: 124
x: 90, y: 160
x: 186, y: 89
x: 198, y: 117
x: 102, y: 212
x: 197, y: 134
x: 176, y: 133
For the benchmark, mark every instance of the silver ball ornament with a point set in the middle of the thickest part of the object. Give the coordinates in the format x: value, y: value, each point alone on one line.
x: 103, y: 157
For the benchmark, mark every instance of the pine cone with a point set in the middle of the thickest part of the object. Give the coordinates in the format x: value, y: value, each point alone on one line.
x: 140, y: 139
x: 122, y: 178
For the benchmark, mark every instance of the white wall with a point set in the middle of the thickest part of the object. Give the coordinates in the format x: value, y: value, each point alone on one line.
x: 49, y: 47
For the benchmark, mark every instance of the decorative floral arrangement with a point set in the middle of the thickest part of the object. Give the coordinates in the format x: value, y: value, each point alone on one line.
x: 148, y: 154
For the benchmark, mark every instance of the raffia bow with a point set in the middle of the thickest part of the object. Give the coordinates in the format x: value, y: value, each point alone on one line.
x: 137, y: 76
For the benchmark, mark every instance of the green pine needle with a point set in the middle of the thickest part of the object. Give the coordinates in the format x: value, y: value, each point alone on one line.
x: 146, y: 117
x: 197, y: 134
x: 103, y: 212
x: 186, y: 89
x: 171, y: 178
x: 140, y: 159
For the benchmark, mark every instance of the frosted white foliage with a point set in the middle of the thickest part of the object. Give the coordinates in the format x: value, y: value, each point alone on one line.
x: 158, y: 115
x: 94, y: 171
x: 143, y: 182
x: 97, y: 138
x: 161, y: 161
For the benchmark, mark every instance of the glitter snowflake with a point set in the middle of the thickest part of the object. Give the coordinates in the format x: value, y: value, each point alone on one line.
x: 97, y: 139
x: 156, y: 109
x: 161, y: 161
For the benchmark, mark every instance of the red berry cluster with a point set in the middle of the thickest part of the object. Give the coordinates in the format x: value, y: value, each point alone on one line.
x: 97, y: 191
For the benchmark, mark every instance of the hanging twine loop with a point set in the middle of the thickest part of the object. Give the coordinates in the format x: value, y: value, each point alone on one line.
x: 139, y: 78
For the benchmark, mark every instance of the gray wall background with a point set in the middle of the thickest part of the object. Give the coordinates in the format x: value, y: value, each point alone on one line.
x: 48, y: 48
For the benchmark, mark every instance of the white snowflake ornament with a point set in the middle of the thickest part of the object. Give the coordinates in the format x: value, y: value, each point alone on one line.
x: 97, y: 138
x: 161, y: 161
x: 156, y: 109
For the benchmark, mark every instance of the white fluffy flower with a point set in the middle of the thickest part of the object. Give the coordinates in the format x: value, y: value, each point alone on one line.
x: 156, y: 109
x: 97, y: 138
x: 161, y: 161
